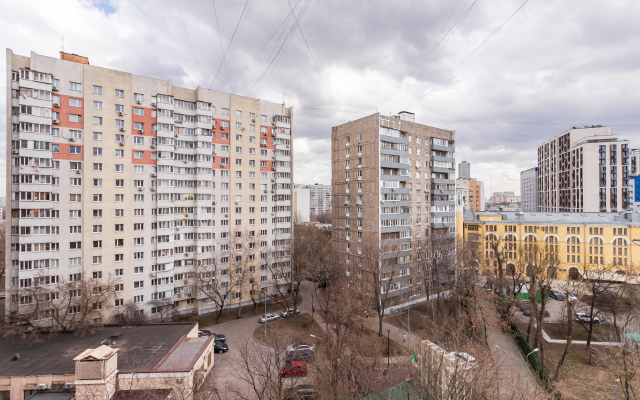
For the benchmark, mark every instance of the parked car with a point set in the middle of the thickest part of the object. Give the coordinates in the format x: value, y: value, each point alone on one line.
x: 220, y: 347
x: 294, y: 368
x: 300, y: 355
x: 300, y: 346
x: 268, y: 318
x: 572, y: 297
x: 312, y: 278
x: 204, y: 332
x: 527, y: 311
x: 218, y: 337
x: 557, y: 295
x: 466, y: 357
x: 586, y: 318
x: 300, y: 392
x: 525, y: 301
x: 288, y: 312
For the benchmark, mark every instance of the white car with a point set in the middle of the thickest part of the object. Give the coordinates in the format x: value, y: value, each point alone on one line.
x: 288, y: 312
x: 584, y: 317
x: 300, y: 346
x: 471, y: 360
x: 268, y: 318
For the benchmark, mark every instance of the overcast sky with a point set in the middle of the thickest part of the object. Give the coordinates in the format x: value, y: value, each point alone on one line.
x: 551, y: 66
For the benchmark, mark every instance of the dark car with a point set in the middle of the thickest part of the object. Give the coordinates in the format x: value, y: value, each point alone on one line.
x: 220, y: 347
x: 301, y: 392
x: 218, y: 337
x: 300, y: 355
x: 294, y: 368
x: 557, y: 295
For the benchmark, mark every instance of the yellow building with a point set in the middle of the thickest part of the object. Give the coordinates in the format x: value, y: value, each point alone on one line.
x: 582, y: 242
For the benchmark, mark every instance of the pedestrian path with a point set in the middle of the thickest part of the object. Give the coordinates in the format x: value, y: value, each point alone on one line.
x: 562, y: 341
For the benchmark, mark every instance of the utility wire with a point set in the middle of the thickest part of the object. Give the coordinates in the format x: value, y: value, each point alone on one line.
x: 215, y: 14
x: 311, y: 54
x: 188, y: 40
x: 235, y: 31
x: 470, y: 55
x: 124, y: 64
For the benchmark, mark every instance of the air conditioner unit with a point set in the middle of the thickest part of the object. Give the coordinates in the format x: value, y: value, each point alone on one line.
x: 140, y: 189
x: 185, y: 161
x: 152, y: 274
x: 153, y: 146
x: 186, y: 215
x: 265, y: 133
x: 120, y: 113
x: 78, y: 171
x: 273, y: 123
x: 176, y: 135
x: 54, y: 89
x: 56, y: 104
x: 69, y: 385
x: 121, y: 129
x: 153, y: 104
x: 55, y: 121
x: 273, y: 157
x: 37, y: 169
x: 273, y: 180
x: 226, y: 215
x: 237, y: 202
x: 121, y: 143
x: 138, y: 102
x: 153, y: 189
x: 186, y: 254
x: 273, y: 134
x: 213, y: 203
x: 140, y: 130
x: 72, y: 139
x: 153, y: 174
x: 273, y: 191
x: 288, y: 146
x: 178, y: 121
x: 273, y: 214
x: 213, y: 152
x: 14, y: 151
x: 42, y: 386
x: 253, y: 120
x: 265, y: 191
x: 179, y: 295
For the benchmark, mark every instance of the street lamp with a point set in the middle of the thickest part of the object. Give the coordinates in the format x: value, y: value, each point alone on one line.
x: 388, y: 352
x: 526, y: 380
x: 265, y: 314
x: 534, y: 351
x: 617, y: 381
x: 497, y: 372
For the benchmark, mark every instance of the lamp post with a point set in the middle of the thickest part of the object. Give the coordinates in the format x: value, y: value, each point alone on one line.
x: 616, y: 382
x: 526, y: 380
x: 497, y: 373
x: 388, y: 352
x: 265, y: 315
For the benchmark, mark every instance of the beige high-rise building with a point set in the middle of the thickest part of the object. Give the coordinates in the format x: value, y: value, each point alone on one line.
x: 584, y: 169
x: 119, y: 178
x: 472, y: 193
x: 393, y: 183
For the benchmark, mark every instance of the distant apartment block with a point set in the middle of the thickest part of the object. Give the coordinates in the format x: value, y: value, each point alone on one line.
x: 120, y: 178
x: 464, y: 170
x: 504, y: 197
x: 529, y: 189
x: 393, y: 184
x: 311, y: 200
x: 584, y: 169
x: 472, y: 192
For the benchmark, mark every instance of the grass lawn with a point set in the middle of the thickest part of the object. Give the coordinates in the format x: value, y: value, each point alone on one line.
x: 601, y: 333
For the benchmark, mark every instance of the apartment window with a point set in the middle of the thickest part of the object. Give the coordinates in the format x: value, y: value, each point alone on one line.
x: 97, y: 213
x: 75, y: 118
x: 97, y: 151
x: 97, y: 182
x: 97, y: 244
x: 119, y: 108
x: 75, y: 86
x: 224, y: 111
x: 97, y: 228
x: 97, y: 89
x: 119, y: 153
x: 119, y: 272
x: 120, y: 123
x: 138, y: 97
x: 119, y: 212
x: 119, y: 93
x: 118, y: 258
x: 138, y: 154
x: 75, y: 150
x: 119, y: 227
x: 97, y: 120
x: 138, y: 284
x: 73, y: 102
x: 97, y: 166
x: 97, y: 274
x: 119, y: 167
x: 138, y: 111
x: 119, y: 182
x: 96, y: 260
x: 97, y: 105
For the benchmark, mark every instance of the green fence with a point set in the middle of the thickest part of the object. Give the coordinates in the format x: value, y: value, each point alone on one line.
x: 535, y: 362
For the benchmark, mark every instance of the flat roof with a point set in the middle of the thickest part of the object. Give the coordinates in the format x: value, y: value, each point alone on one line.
x: 553, y: 218
x: 141, y: 348
x: 185, y: 355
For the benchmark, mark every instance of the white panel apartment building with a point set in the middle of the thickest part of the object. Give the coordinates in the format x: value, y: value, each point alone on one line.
x: 529, y: 189
x: 119, y: 178
x: 584, y: 170
x: 312, y: 200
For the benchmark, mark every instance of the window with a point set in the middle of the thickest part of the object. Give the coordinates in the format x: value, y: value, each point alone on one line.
x: 138, y: 126
x: 119, y: 108
x: 119, y: 167
x: 75, y: 118
x: 120, y: 123
x: 138, y: 97
x: 138, y: 139
x: 97, y: 135
x: 97, y: 151
x: 119, y: 93
x: 119, y: 198
x: 97, y: 89
x: 138, y: 154
x: 97, y: 166
x: 75, y: 102
x: 138, y: 111
x: 75, y: 86
x: 119, y: 302
x: 75, y: 150
x: 118, y: 257
x: 119, y: 153
x: 97, y: 105
x: 97, y: 120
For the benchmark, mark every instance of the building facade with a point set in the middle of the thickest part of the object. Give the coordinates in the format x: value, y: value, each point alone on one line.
x: 312, y: 200
x: 393, y: 185
x: 472, y: 193
x: 504, y: 197
x: 584, y: 169
x: 130, y: 180
x: 529, y: 190
x: 582, y: 241
x: 464, y: 170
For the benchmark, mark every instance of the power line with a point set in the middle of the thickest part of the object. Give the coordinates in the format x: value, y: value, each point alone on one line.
x: 124, y: 64
x: 311, y: 54
x: 233, y: 36
x: 470, y: 55
x: 215, y: 13
x: 188, y: 40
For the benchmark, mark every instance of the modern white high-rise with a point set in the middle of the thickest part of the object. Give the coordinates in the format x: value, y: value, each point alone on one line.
x: 529, y: 189
x: 120, y: 178
x: 584, y: 169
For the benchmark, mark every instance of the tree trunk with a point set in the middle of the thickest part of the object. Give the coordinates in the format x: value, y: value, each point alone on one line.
x: 593, y: 300
x: 565, y: 353
x: 533, y: 308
